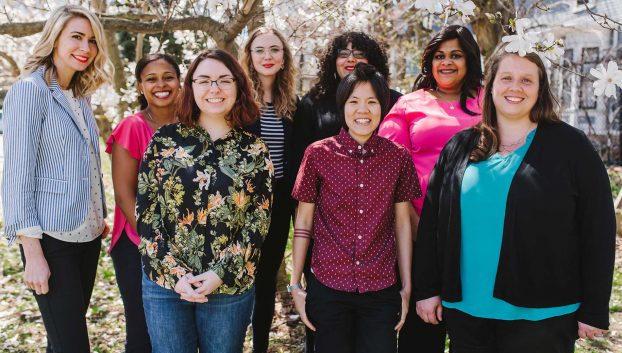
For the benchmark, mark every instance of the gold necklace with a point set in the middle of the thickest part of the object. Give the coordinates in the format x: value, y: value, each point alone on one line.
x: 439, y: 93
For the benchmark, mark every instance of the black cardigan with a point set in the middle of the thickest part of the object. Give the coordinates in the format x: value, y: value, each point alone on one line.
x: 558, y: 243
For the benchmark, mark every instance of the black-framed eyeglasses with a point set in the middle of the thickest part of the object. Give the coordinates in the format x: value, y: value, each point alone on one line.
x: 345, y: 53
x: 262, y: 51
x: 222, y: 83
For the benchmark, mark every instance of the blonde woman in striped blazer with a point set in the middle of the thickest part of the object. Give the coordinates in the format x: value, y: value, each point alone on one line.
x: 52, y: 192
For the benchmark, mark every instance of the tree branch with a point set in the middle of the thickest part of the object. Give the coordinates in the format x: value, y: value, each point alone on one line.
x: 199, y: 23
x: 9, y: 59
x: 605, y: 22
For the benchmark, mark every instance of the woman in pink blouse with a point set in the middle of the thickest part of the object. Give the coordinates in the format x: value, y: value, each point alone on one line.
x: 157, y: 77
x: 444, y: 101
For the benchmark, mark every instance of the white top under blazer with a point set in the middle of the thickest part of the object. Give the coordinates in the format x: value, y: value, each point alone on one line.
x: 52, y: 169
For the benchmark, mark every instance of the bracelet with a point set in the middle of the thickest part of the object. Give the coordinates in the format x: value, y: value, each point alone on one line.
x: 303, y: 233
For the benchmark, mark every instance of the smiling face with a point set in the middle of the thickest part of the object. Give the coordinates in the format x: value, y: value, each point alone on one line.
x: 267, y: 55
x: 515, y: 88
x: 159, y: 83
x: 214, y: 101
x: 362, y: 112
x: 75, y: 47
x: 345, y: 64
x: 449, y: 65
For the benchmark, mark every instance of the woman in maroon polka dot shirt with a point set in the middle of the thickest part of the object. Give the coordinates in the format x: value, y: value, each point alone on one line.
x: 354, y: 191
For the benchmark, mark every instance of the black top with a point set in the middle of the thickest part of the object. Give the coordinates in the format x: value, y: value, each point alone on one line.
x: 317, y: 119
x: 558, y: 243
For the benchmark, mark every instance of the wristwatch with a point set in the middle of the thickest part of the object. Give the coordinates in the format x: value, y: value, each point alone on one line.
x: 291, y: 287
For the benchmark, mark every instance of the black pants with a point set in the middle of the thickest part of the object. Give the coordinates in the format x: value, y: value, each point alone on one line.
x: 128, y: 269
x: 353, y: 322
x: 73, y: 267
x: 272, y: 251
x: 416, y: 336
x: 469, y: 334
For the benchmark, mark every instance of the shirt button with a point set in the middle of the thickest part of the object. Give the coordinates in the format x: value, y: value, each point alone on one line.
x: 361, y: 185
x: 360, y: 237
x: 359, y: 147
x: 361, y: 161
x: 361, y: 211
x: 358, y: 263
x: 350, y: 151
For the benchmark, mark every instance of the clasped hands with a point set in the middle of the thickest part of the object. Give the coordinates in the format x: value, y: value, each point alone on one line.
x: 196, y: 288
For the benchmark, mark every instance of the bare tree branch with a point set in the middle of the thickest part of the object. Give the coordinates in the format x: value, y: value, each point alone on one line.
x: 9, y: 59
x: 199, y: 23
x: 603, y: 20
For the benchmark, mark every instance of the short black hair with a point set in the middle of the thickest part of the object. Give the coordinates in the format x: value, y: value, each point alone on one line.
x: 148, y: 59
x: 328, y: 78
x: 363, y: 73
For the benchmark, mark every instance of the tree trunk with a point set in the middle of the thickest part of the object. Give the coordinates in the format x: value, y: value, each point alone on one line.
x: 489, y: 34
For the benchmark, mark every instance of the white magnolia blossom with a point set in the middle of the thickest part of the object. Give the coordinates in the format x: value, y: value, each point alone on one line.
x: 607, y: 80
x: 432, y: 6
x: 553, y: 51
x: 521, y: 42
x: 155, y: 45
x: 465, y: 8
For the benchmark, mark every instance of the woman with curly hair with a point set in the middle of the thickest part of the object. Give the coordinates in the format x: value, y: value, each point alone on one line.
x: 317, y: 116
x: 268, y: 62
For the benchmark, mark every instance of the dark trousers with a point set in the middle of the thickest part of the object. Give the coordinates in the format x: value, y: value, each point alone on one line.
x: 416, y: 336
x: 73, y: 267
x: 128, y: 269
x: 353, y: 322
x: 469, y: 334
x: 272, y: 251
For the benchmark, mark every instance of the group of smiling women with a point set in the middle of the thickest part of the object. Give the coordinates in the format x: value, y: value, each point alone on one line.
x: 466, y: 206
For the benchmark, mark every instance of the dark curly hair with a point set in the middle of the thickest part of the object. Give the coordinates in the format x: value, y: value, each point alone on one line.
x: 328, y: 79
x: 474, y: 76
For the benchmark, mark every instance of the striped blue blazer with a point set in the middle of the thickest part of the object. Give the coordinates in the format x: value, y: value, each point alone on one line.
x: 46, y: 180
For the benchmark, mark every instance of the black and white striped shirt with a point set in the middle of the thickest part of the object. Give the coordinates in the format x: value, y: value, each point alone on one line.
x: 272, y: 133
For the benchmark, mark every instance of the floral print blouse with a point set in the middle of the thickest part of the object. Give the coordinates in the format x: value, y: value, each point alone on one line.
x: 203, y: 205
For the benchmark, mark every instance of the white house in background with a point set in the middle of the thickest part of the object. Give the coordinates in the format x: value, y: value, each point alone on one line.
x: 587, y: 44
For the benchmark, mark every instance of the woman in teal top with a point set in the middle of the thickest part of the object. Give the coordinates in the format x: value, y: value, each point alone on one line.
x: 516, y: 242
x: 485, y: 186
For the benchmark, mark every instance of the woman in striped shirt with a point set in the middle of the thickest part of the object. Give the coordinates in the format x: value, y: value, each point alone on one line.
x: 52, y: 192
x: 268, y: 61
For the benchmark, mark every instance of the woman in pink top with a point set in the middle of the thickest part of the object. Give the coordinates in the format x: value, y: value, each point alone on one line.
x: 444, y: 101
x: 157, y: 77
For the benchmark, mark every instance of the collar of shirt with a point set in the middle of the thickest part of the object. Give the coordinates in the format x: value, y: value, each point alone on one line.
x: 350, y: 147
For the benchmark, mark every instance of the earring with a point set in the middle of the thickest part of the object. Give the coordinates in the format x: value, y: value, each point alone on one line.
x: 282, y: 67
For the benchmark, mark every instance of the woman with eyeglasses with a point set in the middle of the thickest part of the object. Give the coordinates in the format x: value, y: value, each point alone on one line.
x: 203, y: 210
x: 267, y: 60
x: 317, y: 115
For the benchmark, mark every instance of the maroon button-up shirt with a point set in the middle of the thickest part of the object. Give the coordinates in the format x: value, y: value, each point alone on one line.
x: 355, y: 189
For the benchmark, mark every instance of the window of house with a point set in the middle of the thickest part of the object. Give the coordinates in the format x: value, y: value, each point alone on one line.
x: 589, y: 60
x: 567, y: 79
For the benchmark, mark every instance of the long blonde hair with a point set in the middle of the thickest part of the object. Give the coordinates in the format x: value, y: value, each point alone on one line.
x: 284, y: 90
x: 84, y: 82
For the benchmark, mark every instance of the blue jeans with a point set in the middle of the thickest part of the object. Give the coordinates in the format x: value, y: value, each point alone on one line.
x: 179, y: 326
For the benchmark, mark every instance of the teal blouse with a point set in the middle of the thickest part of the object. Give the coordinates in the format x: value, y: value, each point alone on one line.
x: 483, y: 197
